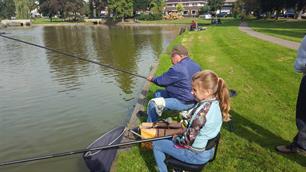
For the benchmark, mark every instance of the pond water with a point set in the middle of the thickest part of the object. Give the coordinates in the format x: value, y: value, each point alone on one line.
x: 52, y: 103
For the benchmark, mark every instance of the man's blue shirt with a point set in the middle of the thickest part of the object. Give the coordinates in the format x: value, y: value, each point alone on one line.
x: 178, y: 78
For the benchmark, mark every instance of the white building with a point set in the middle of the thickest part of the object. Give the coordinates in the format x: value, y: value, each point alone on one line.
x: 228, y: 6
x: 191, y: 7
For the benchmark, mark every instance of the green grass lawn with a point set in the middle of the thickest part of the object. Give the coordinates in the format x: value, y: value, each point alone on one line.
x: 292, y: 30
x: 263, y: 113
x: 47, y: 21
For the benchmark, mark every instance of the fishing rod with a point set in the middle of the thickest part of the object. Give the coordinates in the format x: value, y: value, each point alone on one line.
x: 232, y: 92
x: 55, y: 155
x: 70, y: 55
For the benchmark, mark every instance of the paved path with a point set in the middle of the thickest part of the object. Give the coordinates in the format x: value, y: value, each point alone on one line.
x: 289, y: 44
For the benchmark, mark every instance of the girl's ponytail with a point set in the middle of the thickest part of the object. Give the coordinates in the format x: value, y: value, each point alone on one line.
x: 223, y: 97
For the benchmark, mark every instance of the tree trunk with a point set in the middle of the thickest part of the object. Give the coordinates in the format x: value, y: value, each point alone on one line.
x: 277, y: 14
x: 299, y: 17
x: 50, y: 17
x: 94, y: 13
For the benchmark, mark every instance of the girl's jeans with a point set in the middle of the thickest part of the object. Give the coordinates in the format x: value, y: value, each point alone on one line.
x: 162, y: 147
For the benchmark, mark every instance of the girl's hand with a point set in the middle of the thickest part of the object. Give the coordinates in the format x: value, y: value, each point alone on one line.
x: 174, y: 137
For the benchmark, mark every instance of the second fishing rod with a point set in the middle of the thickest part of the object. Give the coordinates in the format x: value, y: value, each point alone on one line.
x: 71, y: 55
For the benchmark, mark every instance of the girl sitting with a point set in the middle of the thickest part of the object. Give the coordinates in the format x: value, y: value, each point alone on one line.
x: 204, y: 123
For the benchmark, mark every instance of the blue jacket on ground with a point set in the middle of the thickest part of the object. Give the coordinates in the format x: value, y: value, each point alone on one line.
x: 178, y: 79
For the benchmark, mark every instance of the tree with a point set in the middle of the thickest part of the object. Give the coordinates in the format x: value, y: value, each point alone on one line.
x: 96, y: 6
x: 32, y: 5
x: 7, y: 9
x: 205, y: 9
x: 157, y: 6
x: 22, y: 9
x: 121, y: 8
x: 250, y: 6
x: 50, y: 7
x: 179, y: 7
x: 215, y: 5
x: 141, y: 5
x: 74, y: 7
x: 238, y: 9
x: 92, y: 9
x: 300, y: 7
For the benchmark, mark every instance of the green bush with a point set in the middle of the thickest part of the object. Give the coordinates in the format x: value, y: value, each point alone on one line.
x: 149, y: 17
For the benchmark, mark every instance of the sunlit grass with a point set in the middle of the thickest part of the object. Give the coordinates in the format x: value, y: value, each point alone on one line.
x: 48, y: 21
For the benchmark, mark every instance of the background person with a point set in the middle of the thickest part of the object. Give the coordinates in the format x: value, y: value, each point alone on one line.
x: 177, y: 82
x: 193, y: 25
x: 299, y: 142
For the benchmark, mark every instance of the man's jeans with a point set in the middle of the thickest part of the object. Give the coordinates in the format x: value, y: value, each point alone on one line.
x: 300, y: 138
x: 166, y: 146
x: 170, y: 104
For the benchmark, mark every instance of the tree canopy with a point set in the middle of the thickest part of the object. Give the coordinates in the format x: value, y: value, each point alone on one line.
x: 121, y: 8
x: 179, y: 7
x: 215, y: 4
x: 271, y: 6
x: 157, y: 6
x: 22, y: 9
x: 7, y: 9
x: 62, y: 8
x: 141, y: 5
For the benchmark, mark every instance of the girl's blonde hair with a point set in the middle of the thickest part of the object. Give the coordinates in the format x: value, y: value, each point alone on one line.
x: 207, y: 79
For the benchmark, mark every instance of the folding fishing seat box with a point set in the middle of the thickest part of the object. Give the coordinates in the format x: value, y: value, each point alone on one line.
x: 178, y: 165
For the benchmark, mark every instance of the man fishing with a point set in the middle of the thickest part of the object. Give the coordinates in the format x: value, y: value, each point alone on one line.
x: 177, y: 82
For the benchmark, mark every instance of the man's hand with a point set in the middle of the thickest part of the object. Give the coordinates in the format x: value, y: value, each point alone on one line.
x: 149, y: 78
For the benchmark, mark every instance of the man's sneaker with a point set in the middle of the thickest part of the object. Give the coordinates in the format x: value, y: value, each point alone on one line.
x: 287, y: 149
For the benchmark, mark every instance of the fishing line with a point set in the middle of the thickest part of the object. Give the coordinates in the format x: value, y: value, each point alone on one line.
x: 70, y: 55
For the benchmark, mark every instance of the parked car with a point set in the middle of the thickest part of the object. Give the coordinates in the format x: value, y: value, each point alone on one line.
x: 263, y: 15
x: 279, y: 15
x: 289, y: 14
x: 222, y: 14
x: 206, y: 16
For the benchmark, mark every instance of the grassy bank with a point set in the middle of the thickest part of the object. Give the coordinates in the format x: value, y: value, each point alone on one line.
x: 263, y: 112
x: 186, y: 20
x: 47, y: 21
x: 293, y: 30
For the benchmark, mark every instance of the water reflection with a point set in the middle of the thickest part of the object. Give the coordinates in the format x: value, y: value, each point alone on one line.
x: 120, y: 47
x: 70, y: 39
x: 116, y: 47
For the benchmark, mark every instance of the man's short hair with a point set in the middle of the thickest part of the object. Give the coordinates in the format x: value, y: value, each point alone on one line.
x: 180, y: 50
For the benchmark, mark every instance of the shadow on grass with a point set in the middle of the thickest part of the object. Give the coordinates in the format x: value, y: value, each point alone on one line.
x: 252, y: 132
x: 147, y: 156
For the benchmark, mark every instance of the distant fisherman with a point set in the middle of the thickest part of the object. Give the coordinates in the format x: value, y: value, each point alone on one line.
x: 177, y: 82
